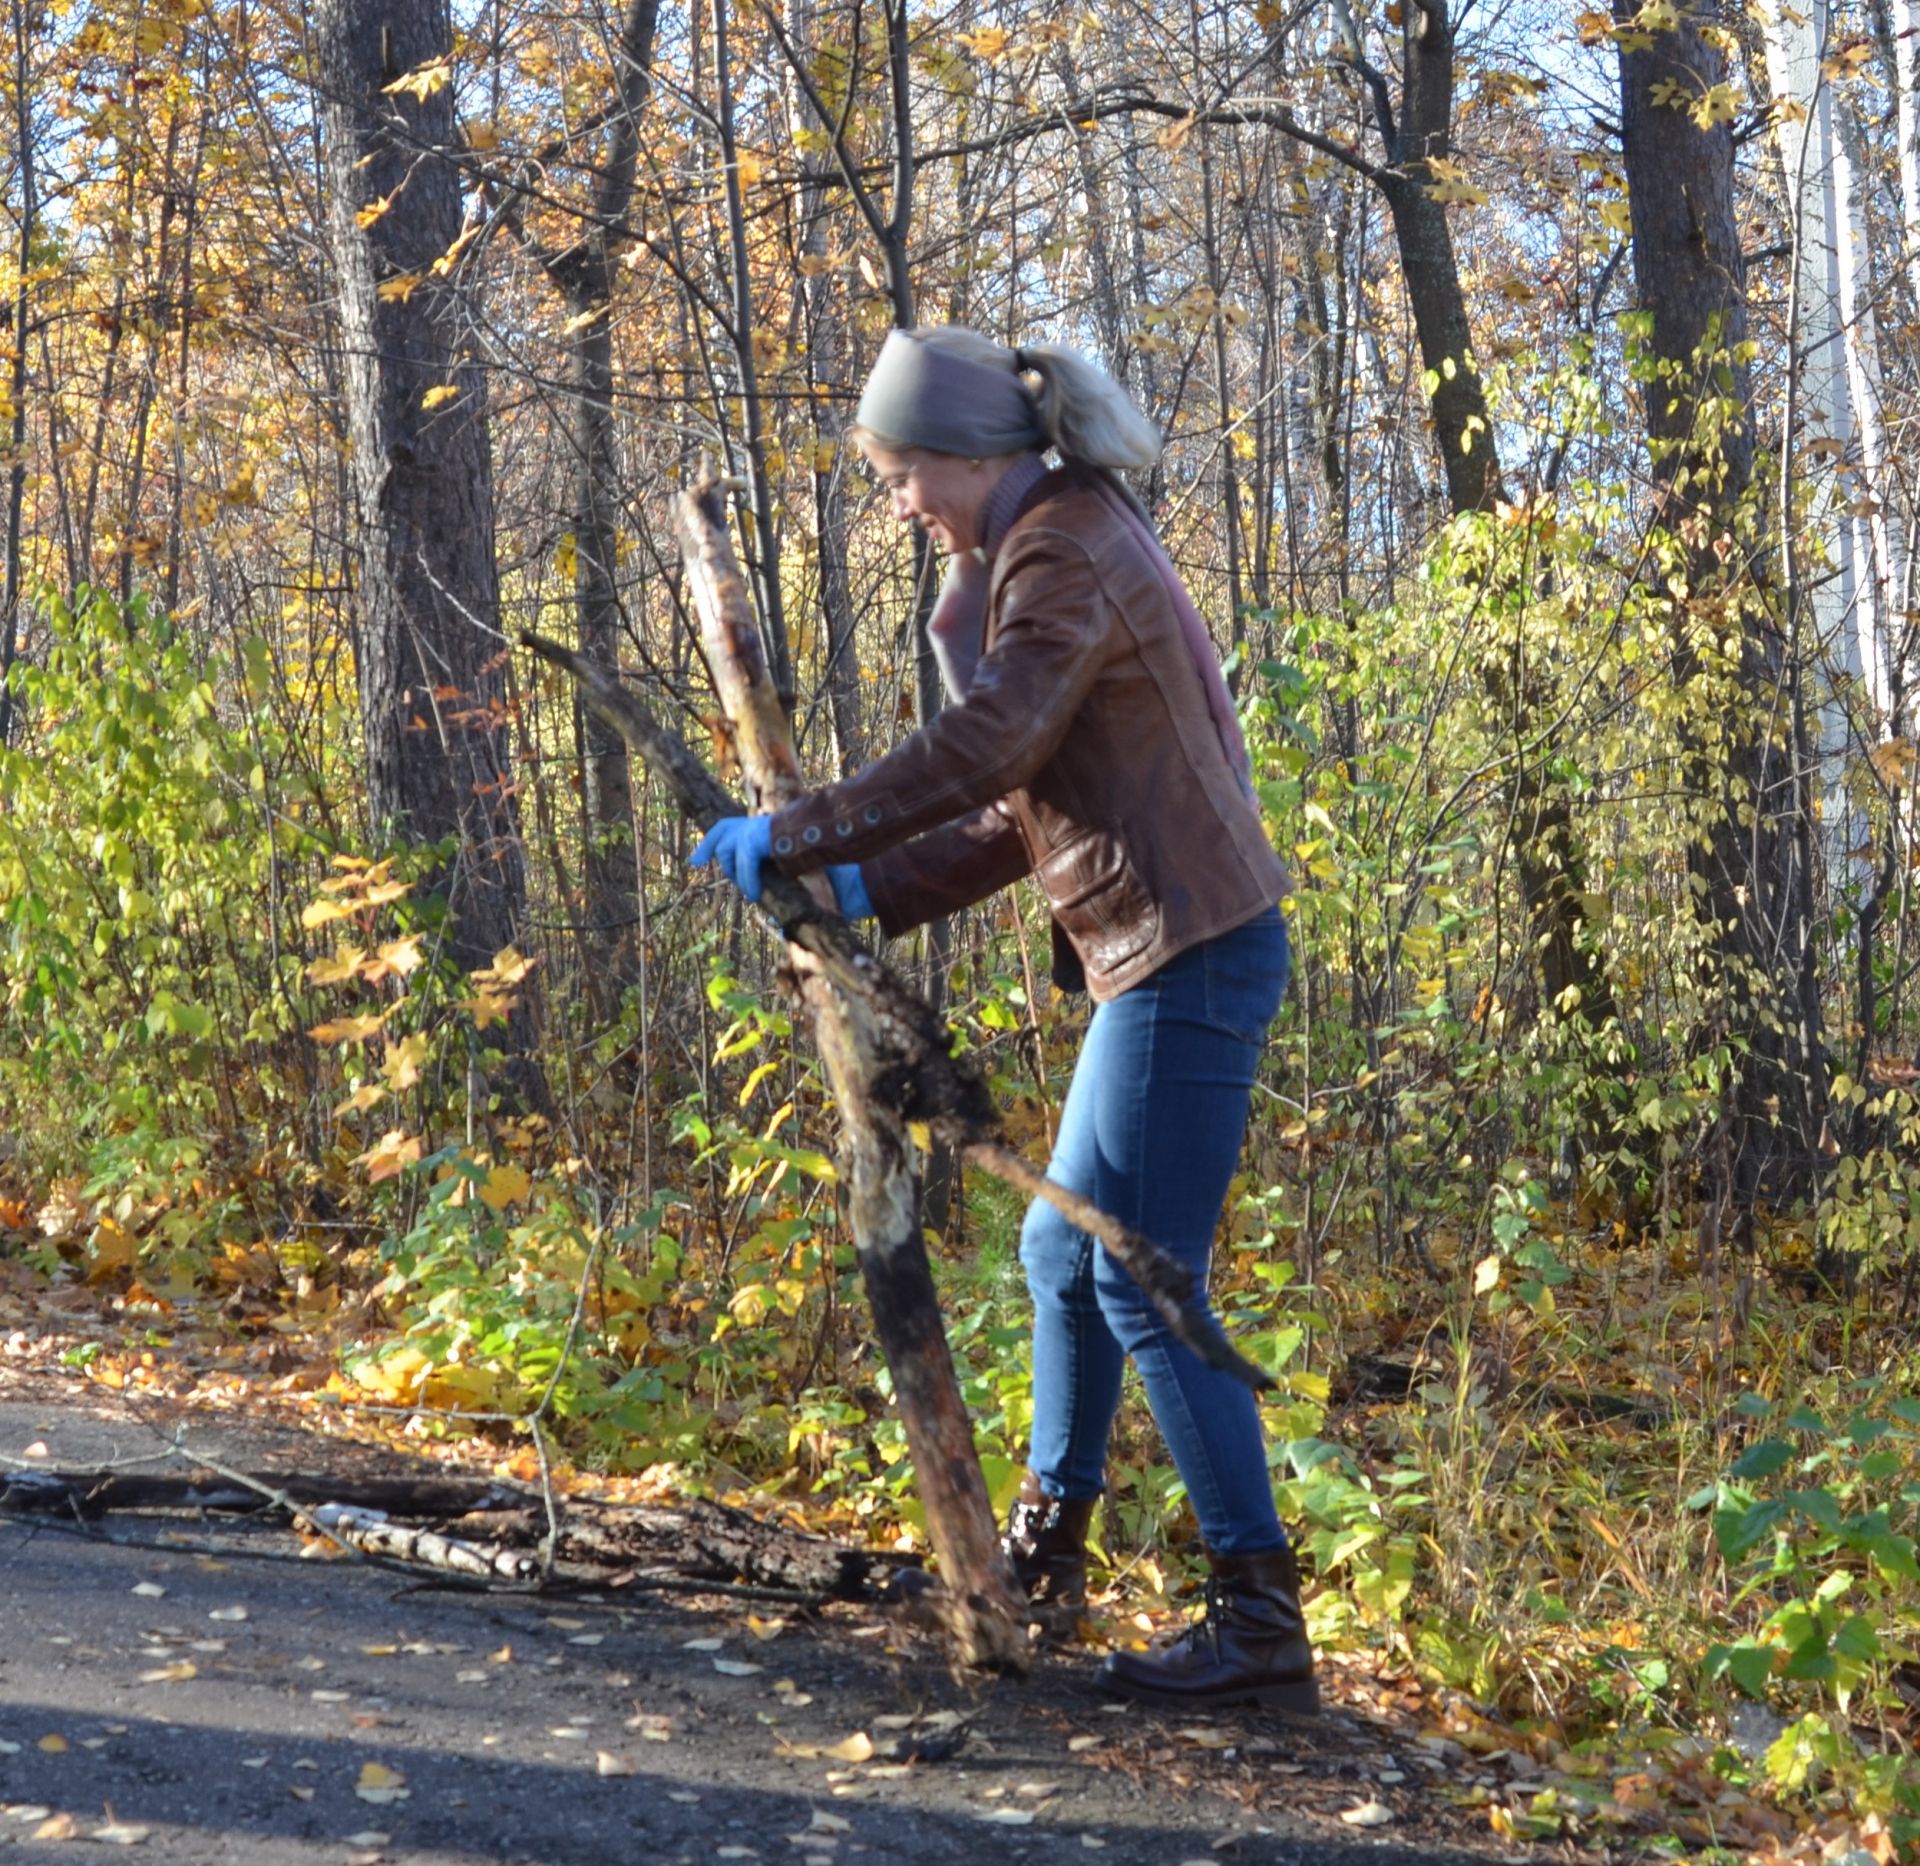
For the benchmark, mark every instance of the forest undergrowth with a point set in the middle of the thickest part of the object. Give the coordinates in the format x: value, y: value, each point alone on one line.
x: 1595, y: 1482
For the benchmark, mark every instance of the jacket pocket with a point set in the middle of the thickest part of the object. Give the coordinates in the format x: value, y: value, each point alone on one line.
x: 1098, y: 897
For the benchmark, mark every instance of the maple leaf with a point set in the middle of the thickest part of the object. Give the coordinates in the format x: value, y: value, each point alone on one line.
x: 422, y: 82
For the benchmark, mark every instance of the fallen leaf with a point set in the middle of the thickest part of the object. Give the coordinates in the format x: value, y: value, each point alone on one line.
x: 119, y: 1833
x: 1204, y: 1738
x: 587, y: 1639
x: 1368, y: 1814
x: 701, y: 1645
x: 149, y: 1590
x: 38, y: 1449
x: 825, y: 1823
x: 685, y: 1796
x: 503, y: 1657
x: 254, y: 1762
x: 228, y: 1613
x: 57, y: 1827
x: 1008, y: 1817
x: 856, y: 1748
x: 765, y: 1629
x: 1078, y: 1744
x: 1092, y: 1841
x: 301, y: 1794
x: 381, y: 1785
x: 54, y: 1745
x: 737, y: 1668
x: 606, y: 1763
x: 372, y: 1837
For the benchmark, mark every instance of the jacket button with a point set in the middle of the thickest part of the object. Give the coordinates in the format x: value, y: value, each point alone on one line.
x: 873, y: 813
x: 783, y: 845
x: 811, y: 833
x: 844, y: 827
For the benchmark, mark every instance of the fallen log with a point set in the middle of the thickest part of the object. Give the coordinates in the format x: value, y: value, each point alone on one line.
x: 699, y: 1540
x: 93, y: 1493
x: 371, y: 1532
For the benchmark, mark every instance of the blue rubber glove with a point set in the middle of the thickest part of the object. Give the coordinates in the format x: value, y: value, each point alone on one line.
x: 850, y: 891
x: 740, y: 845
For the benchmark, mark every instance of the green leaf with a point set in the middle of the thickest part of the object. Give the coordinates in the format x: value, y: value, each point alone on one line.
x: 1762, y: 1460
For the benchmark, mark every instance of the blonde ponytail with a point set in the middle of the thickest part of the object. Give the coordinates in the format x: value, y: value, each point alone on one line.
x: 1088, y: 416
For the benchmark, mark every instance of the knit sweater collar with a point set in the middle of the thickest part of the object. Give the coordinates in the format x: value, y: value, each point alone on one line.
x: 1004, y: 502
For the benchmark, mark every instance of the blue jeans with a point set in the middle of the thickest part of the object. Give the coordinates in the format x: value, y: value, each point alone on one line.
x: 1151, y: 1132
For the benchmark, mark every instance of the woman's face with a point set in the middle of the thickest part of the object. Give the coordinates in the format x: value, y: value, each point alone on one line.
x: 943, y: 493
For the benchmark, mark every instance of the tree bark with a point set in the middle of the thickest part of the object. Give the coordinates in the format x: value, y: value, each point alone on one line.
x: 1752, y: 885
x: 428, y: 650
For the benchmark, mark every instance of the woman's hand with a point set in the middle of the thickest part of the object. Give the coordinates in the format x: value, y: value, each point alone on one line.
x: 740, y: 845
x: 850, y: 891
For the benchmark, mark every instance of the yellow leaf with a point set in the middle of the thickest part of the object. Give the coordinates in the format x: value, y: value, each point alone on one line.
x: 366, y: 216
x: 111, y: 1249
x: 749, y: 167
x: 367, y: 1095
x: 508, y: 968
x: 401, y: 955
x: 482, y: 137
x: 170, y: 1674
x: 318, y: 913
x: 54, y: 1745
x: 391, y: 1156
x: 504, y: 1185
x: 566, y: 556
x: 57, y: 1827
x: 1617, y: 215
x: 402, y: 1065
x: 435, y: 397
x: 349, y: 1029
x: 344, y: 964
x: 423, y: 82
x: 990, y: 42
x: 381, y: 1785
x: 1486, y: 1273
x: 400, y: 288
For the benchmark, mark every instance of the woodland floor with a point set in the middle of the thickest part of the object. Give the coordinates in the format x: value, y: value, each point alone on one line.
x: 268, y: 1709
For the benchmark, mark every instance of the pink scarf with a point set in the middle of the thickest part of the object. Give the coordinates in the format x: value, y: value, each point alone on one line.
x: 958, y: 623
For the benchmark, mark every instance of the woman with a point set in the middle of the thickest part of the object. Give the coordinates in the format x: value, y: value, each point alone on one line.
x: 1092, y: 744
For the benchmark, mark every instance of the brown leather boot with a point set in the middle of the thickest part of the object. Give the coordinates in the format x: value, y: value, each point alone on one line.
x: 1250, y: 1646
x: 1046, y: 1541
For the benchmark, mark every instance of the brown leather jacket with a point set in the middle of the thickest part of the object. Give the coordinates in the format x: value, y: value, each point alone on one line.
x: 1083, y: 754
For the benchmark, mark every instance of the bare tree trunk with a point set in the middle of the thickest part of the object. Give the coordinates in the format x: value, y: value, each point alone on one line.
x: 29, y: 217
x: 584, y: 273
x: 829, y: 364
x: 429, y: 652
x: 1750, y: 866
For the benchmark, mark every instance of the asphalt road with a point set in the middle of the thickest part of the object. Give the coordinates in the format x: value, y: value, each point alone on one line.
x: 208, y: 1698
